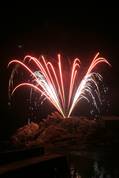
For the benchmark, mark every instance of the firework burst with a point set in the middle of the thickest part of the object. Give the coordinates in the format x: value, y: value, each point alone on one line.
x: 49, y: 82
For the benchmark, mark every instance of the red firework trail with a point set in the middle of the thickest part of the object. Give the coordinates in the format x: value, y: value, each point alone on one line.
x: 50, y: 83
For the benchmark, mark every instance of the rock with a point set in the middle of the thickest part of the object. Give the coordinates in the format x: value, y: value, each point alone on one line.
x: 57, y: 131
x: 25, y: 133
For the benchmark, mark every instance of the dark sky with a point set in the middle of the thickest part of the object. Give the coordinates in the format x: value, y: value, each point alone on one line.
x: 74, y: 32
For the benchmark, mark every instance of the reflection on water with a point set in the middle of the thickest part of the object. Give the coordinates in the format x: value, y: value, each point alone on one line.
x: 74, y: 173
x: 104, y: 167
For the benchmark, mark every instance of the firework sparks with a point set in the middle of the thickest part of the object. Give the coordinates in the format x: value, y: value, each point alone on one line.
x: 49, y: 82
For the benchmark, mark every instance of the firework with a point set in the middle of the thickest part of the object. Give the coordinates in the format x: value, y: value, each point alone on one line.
x: 49, y: 81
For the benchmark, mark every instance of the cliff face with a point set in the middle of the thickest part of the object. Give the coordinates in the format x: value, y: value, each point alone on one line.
x: 71, y: 133
x: 55, y: 130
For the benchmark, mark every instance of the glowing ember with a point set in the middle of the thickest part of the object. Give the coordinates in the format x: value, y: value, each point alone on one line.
x: 50, y: 82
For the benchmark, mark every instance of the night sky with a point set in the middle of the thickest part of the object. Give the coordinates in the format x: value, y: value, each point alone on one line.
x: 73, y: 32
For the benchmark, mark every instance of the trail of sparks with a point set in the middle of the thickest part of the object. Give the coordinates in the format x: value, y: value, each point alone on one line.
x: 50, y: 83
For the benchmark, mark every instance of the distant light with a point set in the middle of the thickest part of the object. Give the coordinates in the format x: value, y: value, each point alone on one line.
x: 19, y: 46
x: 9, y: 104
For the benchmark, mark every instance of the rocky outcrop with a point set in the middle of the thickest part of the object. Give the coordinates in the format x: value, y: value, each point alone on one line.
x: 25, y: 133
x: 56, y: 131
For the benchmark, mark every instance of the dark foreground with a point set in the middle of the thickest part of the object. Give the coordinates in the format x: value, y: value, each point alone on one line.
x: 45, y: 166
x: 89, y: 150
x: 101, y: 164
